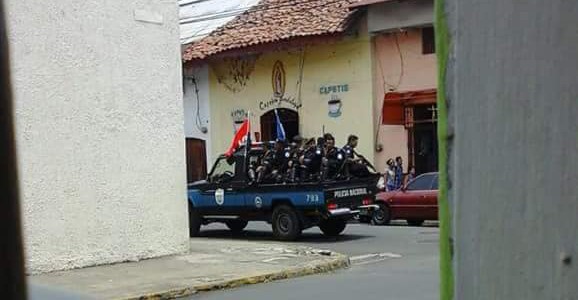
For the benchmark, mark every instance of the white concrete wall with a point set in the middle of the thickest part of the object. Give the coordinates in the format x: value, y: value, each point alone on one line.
x: 100, y: 139
x: 196, y: 107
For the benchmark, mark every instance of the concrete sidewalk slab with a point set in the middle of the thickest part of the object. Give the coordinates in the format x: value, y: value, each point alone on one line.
x: 210, y: 264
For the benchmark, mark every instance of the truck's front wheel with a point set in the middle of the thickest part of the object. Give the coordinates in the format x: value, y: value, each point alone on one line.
x: 285, y: 222
x: 332, y: 227
x: 195, y: 220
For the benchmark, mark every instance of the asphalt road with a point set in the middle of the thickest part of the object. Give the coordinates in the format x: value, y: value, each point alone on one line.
x: 392, y: 262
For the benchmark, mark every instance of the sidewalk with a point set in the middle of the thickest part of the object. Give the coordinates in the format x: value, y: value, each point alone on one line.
x: 211, y: 264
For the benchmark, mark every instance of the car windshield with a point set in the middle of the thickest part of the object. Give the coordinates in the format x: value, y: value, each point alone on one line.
x: 434, y: 185
x: 422, y: 182
x: 223, y: 167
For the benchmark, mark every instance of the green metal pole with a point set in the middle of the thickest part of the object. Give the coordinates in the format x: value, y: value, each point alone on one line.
x: 442, y: 47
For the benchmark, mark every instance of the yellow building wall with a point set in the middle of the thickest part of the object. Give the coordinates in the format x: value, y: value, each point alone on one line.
x: 346, y: 62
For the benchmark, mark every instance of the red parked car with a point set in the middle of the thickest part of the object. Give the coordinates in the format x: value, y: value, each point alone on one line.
x: 416, y: 202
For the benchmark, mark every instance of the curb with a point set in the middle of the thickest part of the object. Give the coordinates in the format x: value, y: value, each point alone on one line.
x: 340, y: 261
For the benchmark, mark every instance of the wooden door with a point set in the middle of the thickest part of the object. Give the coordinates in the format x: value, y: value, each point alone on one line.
x: 196, y: 160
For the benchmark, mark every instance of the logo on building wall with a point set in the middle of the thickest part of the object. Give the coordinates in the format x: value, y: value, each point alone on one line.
x: 278, y: 83
x: 238, y: 116
x: 278, y: 79
x: 334, y: 106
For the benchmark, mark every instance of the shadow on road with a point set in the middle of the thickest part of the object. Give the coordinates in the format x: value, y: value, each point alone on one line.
x: 307, y: 237
x: 400, y: 223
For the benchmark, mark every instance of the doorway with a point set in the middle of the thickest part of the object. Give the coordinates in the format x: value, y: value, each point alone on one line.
x: 423, y: 139
x: 196, y: 160
x: 289, y: 118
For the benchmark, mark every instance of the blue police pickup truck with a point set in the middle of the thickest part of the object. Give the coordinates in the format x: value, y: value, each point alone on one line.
x: 228, y: 196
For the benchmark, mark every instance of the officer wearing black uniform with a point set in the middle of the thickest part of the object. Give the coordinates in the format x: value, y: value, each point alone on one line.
x: 265, y: 168
x: 311, y: 160
x: 279, y: 160
x: 333, y: 158
x: 349, y: 153
x: 354, y: 164
x: 296, y: 150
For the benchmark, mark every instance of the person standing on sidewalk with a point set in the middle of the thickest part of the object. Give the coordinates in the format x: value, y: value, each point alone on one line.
x: 398, y: 172
x: 410, y: 175
x: 390, y: 175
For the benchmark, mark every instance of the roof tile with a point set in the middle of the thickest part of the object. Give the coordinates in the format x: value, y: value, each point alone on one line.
x: 274, y: 20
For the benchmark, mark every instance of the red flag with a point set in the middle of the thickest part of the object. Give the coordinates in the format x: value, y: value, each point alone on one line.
x: 241, y: 133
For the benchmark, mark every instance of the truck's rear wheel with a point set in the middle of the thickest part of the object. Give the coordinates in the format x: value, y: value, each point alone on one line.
x: 285, y: 222
x: 332, y: 227
x: 381, y: 216
x: 236, y: 226
x: 195, y: 220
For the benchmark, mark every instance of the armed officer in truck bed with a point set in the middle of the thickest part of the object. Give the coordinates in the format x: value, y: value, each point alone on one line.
x: 333, y: 158
x: 310, y: 161
x: 273, y: 164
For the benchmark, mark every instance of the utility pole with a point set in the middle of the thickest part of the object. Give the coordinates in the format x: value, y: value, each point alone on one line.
x: 509, y: 148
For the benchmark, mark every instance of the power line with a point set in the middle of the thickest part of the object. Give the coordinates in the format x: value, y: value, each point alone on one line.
x: 184, y: 3
x: 218, y: 15
x: 253, y: 9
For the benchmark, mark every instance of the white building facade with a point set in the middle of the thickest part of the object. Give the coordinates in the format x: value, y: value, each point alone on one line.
x: 99, y: 120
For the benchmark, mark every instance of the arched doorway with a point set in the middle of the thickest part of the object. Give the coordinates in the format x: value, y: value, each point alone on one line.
x: 289, y: 119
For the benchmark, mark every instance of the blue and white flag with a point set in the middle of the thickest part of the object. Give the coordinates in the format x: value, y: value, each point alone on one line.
x: 280, y: 129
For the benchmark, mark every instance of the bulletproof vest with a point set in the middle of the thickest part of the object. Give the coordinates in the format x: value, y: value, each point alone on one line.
x: 334, y: 153
x: 278, y: 158
x: 348, y: 151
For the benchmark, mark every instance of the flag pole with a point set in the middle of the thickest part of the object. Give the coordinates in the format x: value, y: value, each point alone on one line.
x: 247, y: 143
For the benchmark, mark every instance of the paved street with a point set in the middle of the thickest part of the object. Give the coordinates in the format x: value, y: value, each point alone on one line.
x: 394, y: 262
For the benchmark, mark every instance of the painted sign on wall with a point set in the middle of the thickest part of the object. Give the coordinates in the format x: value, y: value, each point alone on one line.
x: 238, y: 116
x: 278, y: 79
x: 278, y: 83
x: 334, y: 106
x: 329, y: 89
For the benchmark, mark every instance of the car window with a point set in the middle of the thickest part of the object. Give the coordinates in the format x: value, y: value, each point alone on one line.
x: 223, y: 166
x: 422, y: 182
x: 434, y: 185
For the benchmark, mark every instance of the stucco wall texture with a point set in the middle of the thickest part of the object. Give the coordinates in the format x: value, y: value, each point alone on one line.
x: 99, y: 117
x: 400, y: 69
x: 345, y: 62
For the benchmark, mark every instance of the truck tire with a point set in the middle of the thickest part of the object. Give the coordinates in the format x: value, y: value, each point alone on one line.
x: 285, y: 223
x: 381, y: 216
x: 236, y: 226
x: 195, y: 220
x: 332, y: 227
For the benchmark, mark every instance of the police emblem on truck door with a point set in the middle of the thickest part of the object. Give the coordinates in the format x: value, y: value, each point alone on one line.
x: 220, y: 196
x: 258, y: 202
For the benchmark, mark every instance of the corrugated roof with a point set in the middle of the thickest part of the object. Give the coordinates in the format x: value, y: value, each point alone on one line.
x: 274, y: 20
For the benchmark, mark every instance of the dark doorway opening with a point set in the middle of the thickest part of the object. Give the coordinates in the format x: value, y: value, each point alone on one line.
x: 424, y: 139
x: 289, y: 118
x: 196, y: 160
